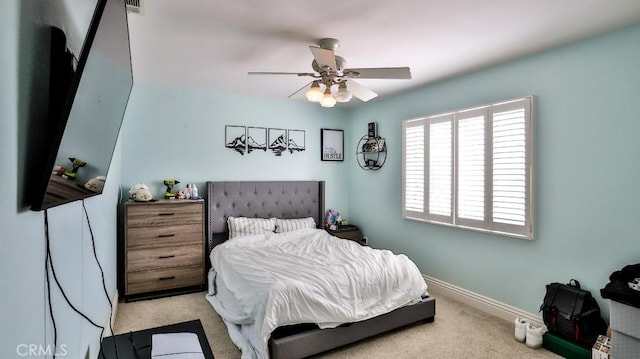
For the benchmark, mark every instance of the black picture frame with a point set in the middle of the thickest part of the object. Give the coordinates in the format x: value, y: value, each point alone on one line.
x: 256, y: 139
x: 331, y: 144
x: 235, y: 138
x: 277, y: 141
x: 372, y: 129
x: 296, y: 140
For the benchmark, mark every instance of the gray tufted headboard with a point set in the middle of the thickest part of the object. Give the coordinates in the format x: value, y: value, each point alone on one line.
x: 262, y: 199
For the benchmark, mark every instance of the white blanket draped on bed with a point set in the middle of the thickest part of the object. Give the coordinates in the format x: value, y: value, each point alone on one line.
x: 309, y: 276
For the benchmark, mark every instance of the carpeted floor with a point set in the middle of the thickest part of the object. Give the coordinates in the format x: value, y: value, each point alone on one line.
x: 459, y: 331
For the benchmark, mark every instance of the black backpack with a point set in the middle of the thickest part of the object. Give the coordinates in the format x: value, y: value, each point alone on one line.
x: 572, y: 313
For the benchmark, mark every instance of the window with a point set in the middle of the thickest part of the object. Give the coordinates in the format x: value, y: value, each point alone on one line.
x: 471, y: 168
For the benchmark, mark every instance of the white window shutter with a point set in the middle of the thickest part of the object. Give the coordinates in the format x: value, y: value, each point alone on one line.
x: 413, y: 167
x: 511, y: 167
x: 471, y: 168
x: 440, y: 169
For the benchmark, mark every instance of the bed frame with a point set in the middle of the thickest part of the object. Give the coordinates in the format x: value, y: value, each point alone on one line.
x: 297, y: 199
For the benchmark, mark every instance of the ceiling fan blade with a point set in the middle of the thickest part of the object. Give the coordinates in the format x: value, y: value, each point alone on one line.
x: 300, y: 89
x: 360, y: 91
x: 324, y: 57
x: 281, y: 73
x: 379, y: 73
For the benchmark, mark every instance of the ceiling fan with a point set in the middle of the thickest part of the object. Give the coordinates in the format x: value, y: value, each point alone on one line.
x: 329, y: 71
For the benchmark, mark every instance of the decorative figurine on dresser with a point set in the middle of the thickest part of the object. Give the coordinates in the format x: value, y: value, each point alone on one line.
x: 164, y: 247
x: 76, y: 164
x: 170, y: 183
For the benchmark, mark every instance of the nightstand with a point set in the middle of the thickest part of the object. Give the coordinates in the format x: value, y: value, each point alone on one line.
x: 348, y: 231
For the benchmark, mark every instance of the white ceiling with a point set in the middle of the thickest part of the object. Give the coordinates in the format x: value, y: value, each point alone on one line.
x: 212, y: 44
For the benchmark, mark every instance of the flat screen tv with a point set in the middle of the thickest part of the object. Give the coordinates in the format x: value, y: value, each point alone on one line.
x: 86, y: 109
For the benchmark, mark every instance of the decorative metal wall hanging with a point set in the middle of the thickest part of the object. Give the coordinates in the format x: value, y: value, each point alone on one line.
x: 236, y: 138
x: 246, y: 139
x: 256, y: 139
x: 277, y: 140
x: 296, y: 140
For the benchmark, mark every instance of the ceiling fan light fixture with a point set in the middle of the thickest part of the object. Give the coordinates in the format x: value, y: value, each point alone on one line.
x: 314, y: 94
x: 343, y: 94
x: 331, y: 70
x: 328, y: 100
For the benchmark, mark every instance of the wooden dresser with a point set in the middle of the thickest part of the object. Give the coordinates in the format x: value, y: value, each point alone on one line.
x: 164, y: 247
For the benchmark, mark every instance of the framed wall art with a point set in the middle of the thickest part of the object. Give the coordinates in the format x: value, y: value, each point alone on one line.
x: 248, y: 139
x: 235, y: 138
x: 277, y: 140
x: 296, y: 140
x: 332, y: 144
x: 256, y: 139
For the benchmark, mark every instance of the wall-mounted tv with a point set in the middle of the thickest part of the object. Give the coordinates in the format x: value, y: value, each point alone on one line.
x: 85, y: 112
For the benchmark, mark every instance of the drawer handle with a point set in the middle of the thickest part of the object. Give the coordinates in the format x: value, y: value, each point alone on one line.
x: 166, y: 214
x: 166, y: 235
x: 167, y: 278
x: 165, y: 257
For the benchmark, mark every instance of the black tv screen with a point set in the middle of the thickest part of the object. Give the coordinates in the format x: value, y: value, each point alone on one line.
x: 86, y: 112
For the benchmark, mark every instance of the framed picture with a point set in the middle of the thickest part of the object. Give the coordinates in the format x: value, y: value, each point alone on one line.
x: 296, y: 140
x: 277, y: 140
x: 332, y: 144
x: 372, y: 129
x: 256, y: 139
x: 235, y: 138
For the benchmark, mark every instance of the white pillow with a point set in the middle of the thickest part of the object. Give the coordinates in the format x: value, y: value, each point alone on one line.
x: 245, y: 226
x: 288, y: 225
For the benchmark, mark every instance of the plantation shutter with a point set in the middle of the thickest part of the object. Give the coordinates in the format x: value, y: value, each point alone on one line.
x: 440, y: 169
x: 413, y: 168
x: 511, y: 167
x: 471, y: 167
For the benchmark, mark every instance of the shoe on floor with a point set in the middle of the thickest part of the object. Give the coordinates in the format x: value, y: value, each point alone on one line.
x: 534, y: 335
x: 521, y: 329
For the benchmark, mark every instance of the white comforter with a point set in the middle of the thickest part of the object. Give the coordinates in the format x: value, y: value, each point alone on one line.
x: 309, y: 276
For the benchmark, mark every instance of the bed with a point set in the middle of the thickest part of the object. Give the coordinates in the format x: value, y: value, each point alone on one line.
x: 290, y: 336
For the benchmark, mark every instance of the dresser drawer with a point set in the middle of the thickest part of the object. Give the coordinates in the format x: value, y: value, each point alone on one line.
x: 161, y: 279
x: 163, y: 257
x: 164, y: 214
x: 162, y: 236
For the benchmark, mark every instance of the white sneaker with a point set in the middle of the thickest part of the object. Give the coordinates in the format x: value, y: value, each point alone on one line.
x: 521, y: 329
x: 534, y: 335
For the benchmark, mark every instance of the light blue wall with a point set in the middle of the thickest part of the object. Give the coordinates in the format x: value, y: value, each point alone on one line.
x: 586, y: 173
x: 585, y: 155
x: 180, y: 133
x: 23, y: 308
x: 586, y: 177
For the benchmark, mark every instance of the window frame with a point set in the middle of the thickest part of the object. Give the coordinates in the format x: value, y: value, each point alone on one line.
x: 487, y: 225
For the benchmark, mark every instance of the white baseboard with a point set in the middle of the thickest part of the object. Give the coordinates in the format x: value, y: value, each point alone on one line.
x: 478, y: 301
